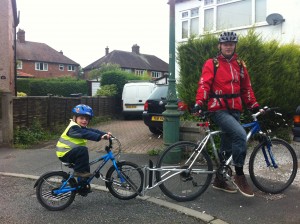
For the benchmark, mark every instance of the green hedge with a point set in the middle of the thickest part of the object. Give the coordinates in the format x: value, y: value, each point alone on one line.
x: 273, y: 68
x: 55, y: 86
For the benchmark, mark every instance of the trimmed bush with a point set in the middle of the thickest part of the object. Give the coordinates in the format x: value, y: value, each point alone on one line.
x: 55, y: 86
x: 273, y: 68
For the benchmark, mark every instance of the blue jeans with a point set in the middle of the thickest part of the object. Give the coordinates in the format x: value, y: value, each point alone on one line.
x: 234, y: 137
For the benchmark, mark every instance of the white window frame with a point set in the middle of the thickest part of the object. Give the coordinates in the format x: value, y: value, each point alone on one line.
x: 140, y: 72
x: 155, y: 74
x: 61, y: 67
x: 19, y: 64
x: 71, y: 68
x: 187, y: 20
x: 214, y: 4
x: 41, y: 66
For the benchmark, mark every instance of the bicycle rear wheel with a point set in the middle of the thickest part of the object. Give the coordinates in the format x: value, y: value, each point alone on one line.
x: 188, y: 184
x: 133, y: 176
x: 267, y: 177
x: 45, y: 191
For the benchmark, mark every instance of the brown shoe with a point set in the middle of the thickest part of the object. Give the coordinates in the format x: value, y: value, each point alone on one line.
x: 223, y: 186
x: 83, y: 174
x: 241, y: 183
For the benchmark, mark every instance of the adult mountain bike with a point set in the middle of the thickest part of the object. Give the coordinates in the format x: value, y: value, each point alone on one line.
x: 56, y: 190
x: 185, y: 169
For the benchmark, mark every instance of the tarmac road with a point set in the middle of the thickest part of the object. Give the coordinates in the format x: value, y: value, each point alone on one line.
x: 214, y: 206
x: 19, y: 205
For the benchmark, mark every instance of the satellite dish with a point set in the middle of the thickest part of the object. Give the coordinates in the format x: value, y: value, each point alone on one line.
x: 274, y: 19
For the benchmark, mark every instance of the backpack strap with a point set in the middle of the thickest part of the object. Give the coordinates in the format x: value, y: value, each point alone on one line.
x: 216, y: 66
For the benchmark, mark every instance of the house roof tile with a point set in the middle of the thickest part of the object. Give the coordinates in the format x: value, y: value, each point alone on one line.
x: 34, y: 51
x: 131, y: 60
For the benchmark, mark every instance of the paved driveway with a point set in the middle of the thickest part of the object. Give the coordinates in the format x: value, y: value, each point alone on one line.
x: 134, y: 136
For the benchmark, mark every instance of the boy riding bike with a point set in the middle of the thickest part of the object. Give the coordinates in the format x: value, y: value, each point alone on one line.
x: 71, y: 146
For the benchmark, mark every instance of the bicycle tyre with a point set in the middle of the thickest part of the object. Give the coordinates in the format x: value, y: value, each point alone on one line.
x: 49, y: 182
x: 269, y: 179
x: 184, y: 186
x: 134, y: 180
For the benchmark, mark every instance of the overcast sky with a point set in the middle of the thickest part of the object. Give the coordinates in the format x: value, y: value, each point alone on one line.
x: 82, y: 29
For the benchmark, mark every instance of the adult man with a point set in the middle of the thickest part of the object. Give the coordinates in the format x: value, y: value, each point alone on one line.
x: 225, y: 83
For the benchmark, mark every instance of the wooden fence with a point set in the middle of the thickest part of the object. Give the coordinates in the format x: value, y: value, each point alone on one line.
x: 52, y: 111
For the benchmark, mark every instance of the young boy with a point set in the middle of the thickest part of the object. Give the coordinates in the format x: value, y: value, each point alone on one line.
x: 71, y: 147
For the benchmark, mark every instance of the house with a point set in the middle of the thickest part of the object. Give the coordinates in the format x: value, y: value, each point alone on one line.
x: 9, y: 20
x: 272, y: 19
x: 133, y: 62
x: 41, y: 61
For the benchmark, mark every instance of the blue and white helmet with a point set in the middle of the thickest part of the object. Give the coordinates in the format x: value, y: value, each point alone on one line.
x: 83, y: 109
x: 228, y: 37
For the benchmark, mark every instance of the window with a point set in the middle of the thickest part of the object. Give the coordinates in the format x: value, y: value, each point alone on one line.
x: 208, y: 19
x: 156, y: 74
x: 19, y: 64
x: 61, y: 67
x: 127, y: 70
x: 190, y: 23
x: 40, y: 66
x: 71, y: 68
x: 140, y: 72
x: 227, y: 14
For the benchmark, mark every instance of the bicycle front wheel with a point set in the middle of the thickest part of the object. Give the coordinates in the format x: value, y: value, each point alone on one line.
x: 273, y: 169
x: 127, y: 183
x: 184, y: 176
x: 45, y: 190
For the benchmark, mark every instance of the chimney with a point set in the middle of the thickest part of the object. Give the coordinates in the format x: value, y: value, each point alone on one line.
x: 106, y: 51
x: 136, y: 49
x: 21, y: 36
x: 61, y: 52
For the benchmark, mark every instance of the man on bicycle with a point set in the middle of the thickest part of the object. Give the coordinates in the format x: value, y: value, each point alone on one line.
x: 225, y: 83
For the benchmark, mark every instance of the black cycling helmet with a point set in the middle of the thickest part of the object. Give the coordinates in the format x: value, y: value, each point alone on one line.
x: 228, y: 37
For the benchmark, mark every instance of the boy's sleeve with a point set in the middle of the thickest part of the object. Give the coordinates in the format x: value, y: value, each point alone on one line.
x: 85, y: 133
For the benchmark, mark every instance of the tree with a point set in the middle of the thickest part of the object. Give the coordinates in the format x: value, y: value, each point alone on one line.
x: 96, y: 73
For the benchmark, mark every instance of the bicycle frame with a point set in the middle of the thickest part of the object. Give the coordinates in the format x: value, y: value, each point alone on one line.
x: 105, y: 158
x: 255, y: 128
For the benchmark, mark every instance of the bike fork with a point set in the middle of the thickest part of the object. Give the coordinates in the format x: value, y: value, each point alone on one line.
x: 267, y: 152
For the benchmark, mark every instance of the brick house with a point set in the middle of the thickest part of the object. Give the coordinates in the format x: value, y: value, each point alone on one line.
x: 133, y: 62
x: 41, y: 61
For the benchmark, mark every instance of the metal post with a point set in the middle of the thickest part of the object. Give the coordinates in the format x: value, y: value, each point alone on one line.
x: 171, y: 114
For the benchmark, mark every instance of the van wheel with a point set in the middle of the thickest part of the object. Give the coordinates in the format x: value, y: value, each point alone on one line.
x: 155, y: 131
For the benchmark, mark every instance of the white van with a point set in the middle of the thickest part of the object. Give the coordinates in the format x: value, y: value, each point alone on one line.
x: 134, y: 97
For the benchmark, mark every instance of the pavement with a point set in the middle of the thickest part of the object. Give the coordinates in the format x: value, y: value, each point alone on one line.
x: 24, y: 166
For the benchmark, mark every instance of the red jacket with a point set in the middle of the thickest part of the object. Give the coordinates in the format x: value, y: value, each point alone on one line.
x: 228, y: 80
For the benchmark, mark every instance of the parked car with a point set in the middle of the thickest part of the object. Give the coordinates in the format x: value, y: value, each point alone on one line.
x: 155, y: 106
x: 134, y: 96
x: 296, y: 128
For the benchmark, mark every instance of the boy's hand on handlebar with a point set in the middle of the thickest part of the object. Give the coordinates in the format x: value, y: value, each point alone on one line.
x: 106, y: 136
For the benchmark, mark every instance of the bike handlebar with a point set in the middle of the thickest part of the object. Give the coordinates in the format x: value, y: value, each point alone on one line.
x: 266, y: 109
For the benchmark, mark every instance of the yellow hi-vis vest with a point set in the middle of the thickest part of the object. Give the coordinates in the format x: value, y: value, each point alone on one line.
x: 66, y: 143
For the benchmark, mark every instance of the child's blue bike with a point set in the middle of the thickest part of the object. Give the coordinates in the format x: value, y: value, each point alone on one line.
x: 56, y: 190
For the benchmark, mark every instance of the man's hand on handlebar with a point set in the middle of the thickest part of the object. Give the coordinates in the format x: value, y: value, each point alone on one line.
x: 197, y: 110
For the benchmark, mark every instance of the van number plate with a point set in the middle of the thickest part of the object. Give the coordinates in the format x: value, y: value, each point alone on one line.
x: 157, y: 118
x: 130, y: 106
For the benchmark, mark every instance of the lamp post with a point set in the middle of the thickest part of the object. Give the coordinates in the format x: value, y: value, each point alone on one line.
x: 171, y: 114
